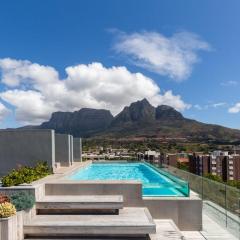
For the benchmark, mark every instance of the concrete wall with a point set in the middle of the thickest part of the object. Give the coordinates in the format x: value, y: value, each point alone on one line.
x: 77, y: 149
x: 131, y: 191
x: 26, y: 148
x: 185, y: 212
x: 63, y: 149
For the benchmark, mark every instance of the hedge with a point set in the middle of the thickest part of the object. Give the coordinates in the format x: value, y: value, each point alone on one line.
x: 26, y: 175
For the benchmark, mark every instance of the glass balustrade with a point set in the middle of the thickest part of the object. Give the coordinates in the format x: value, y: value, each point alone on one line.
x: 221, y: 202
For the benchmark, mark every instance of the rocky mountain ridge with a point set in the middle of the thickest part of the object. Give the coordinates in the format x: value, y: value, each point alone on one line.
x: 140, y: 119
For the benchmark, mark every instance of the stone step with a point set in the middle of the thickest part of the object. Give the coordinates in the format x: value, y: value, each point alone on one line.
x: 80, y: 204
x: 129, y: 222
x: 87, y: 238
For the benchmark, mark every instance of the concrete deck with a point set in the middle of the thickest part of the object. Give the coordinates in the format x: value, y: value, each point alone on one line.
x: 211, y: 231
x: 166, y: 230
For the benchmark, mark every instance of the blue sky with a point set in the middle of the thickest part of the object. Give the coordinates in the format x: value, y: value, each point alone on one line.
x: 187, y: 53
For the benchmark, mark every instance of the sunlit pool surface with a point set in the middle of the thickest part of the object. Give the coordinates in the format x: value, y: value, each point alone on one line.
x: 155, y: 182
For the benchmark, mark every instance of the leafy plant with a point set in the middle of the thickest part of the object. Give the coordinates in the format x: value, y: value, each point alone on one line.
x: 4, y: 198
x: 22, y: 200
x: 7, y: 210
x: 213, y: 177
x: 234, y: 183
x: 26, y: 175
x: 183, y: 166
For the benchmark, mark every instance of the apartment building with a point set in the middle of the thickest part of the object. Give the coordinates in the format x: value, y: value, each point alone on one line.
x: 219, y: 163
x: 199, y: 163
x: 233, y: 167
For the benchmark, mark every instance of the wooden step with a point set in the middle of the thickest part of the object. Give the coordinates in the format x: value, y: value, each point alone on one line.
x: 129, y: 222
x: 80, y: 204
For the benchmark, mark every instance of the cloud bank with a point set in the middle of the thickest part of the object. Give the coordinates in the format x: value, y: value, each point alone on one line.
x: 35, y: 91
x: 169, y: 56
x: 235, y: 108
x: 3, y: 111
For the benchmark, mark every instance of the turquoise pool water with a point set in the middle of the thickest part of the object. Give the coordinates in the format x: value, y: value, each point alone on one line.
x: 155, y: 182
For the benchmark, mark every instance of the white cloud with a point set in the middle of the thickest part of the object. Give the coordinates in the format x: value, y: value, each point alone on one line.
x: 198, y: 107
x: 31, y: 106
x: 171, y: 56
x: 36, y: 90
x: 169, y: 99
x: 15, y: 72
x: 229, y: 83
x: 3, y: 111
x: 220, y: 104
x: 235, y: 108
x: 208, y: 106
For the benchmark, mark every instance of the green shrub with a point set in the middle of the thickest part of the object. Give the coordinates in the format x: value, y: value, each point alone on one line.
x: 234, y: 183
x: 213, y: 177
x: 183, y: 166
x: 26, y: 175
x: 22, y: 200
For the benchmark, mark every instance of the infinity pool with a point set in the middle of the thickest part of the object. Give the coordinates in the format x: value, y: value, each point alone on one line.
x: 155, y: 181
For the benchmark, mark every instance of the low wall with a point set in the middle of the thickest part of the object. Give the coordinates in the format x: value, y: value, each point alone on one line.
x: 63, y: 149
x: 26, y: 148
x: 37, y: 190
x: 77, y: 149
x: 131, y: 190
x: 185, y: 212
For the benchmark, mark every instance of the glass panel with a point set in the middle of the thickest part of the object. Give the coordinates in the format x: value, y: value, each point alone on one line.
x: 214, y: 200
x: 181, y: 185
x: 221, y: 203
x: 233, y: 211
x: 196, y: 184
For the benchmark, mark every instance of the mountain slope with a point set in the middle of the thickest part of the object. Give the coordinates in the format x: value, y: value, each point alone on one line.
x: 85, y: 122
x: 140, y: 119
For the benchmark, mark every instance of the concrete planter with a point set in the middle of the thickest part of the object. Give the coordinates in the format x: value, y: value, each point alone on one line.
x: 28, y: 214
x: 12, y: 228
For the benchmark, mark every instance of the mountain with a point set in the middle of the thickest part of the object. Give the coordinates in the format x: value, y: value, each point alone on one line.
x: 85, y: 122
x: 166, y: 113
x: 140, y: 119
x: 140, y: 111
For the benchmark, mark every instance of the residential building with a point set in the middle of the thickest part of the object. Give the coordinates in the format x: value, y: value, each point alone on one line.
x: 218, y: 163
x: 199, y: 163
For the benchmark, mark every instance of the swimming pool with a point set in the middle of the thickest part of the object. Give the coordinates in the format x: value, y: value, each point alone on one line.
x: 155, y: 181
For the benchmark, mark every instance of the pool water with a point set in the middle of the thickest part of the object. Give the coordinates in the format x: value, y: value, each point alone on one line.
x: 155, y: 182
